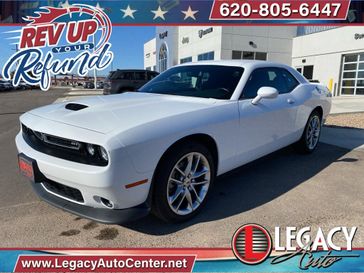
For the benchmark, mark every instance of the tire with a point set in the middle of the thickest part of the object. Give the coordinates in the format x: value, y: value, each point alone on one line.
x: 176, y: 200
x: 310, y: 139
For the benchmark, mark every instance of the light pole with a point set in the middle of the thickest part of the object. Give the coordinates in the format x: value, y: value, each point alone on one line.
x: 95, y: 71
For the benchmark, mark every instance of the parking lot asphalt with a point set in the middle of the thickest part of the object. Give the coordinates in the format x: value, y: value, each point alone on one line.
x: 324, y: 189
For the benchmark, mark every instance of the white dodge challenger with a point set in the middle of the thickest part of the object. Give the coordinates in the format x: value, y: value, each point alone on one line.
x: 116, y: 158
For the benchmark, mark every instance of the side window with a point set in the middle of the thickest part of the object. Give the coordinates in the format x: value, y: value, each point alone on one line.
x: 140, y: 76
x: 125, y: 76
x: 278, y: 78
x: 120, y: 76
x: 258, y: 78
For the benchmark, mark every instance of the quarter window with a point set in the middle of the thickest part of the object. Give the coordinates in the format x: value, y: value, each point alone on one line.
x: 152, y: 75
x: 278, y: 78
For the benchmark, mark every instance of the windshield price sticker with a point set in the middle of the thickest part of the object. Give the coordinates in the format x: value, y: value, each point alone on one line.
x: 283, y: 10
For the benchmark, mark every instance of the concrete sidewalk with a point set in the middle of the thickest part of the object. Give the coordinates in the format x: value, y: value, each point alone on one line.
x: 349, y: 104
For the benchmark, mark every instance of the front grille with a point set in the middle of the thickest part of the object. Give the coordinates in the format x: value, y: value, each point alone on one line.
x: 63, y: 191
x: 60, y: 147
x: 61, y: 142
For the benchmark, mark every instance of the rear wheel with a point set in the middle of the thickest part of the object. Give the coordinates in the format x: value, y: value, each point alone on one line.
x: 182, y: 182
x: 311, y: 136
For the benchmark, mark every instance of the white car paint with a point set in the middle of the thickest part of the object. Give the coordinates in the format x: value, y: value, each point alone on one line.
x: 137, y: 128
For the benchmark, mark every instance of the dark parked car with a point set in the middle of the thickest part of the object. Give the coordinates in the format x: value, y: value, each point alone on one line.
x: 23, y: 86
x: 89, y: 85
x: 5, y: 85
x: 100, y: 85
x: 120, y: 81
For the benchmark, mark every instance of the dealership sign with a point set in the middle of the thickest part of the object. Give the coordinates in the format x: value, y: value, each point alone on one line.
x: 163, y: 35
x: 203, y: 32
x: 359, y: 36
x: 252, y: 244
x: 58, y: 41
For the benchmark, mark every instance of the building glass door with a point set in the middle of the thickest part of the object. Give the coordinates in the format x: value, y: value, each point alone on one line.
x: 352, y: 75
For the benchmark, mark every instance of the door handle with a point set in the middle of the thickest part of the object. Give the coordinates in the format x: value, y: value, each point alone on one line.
x: 291, y: 101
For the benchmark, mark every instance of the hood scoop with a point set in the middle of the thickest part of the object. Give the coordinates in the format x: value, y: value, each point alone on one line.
x: 75, y: 106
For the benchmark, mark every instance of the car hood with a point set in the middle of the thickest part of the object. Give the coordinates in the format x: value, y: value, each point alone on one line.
x: 104, y: 114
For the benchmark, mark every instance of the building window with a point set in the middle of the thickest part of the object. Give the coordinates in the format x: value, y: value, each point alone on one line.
x: 206, y: 56
x: 306, y: 71
x: 236, y: 55
x: 148, y: 68
x: 352, y: 76
x: 186, y: 60
x: 249, y: 55
x: 261, y: 56
x: 163, y: 58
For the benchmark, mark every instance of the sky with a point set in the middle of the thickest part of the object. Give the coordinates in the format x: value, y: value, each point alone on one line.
x: 127, y: 45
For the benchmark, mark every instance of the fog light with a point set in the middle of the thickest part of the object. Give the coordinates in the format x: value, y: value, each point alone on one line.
x: 103, y: 154
x: 107, y: 203
x: 91, y: 149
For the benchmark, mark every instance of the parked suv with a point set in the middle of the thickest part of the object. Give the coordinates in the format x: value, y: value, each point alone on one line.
x: 120, y: 81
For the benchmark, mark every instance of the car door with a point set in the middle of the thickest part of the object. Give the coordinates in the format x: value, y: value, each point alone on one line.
x: 270, y: 124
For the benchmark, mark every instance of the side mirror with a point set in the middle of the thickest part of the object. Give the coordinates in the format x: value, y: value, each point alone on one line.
x: 265, y: 92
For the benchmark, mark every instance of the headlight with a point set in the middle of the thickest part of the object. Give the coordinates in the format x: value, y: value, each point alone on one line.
x: 91, y: 149
x: 103, y: 154
x: 97, y: 152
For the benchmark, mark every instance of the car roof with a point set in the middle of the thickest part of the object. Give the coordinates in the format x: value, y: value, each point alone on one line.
x: 132, y: 70
x: 239, y: 63
x: 250, y: 65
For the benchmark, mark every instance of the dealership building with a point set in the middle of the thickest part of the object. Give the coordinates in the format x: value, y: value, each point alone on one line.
x: 334, y: 56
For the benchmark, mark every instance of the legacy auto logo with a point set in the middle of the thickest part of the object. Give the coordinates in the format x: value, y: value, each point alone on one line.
x: 252, y: 244
x: 73, y: 38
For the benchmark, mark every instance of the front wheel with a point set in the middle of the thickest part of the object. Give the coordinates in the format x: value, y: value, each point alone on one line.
x: 311, y: 136
x: 182, y: 182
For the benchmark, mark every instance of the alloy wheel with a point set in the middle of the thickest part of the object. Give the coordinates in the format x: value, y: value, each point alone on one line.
x: 313, y: 132
x: 188, y: 183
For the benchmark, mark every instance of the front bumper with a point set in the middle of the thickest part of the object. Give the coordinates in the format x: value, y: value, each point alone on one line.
x: 40, y: 184
x: 94, y: 182
x: 106, y: 216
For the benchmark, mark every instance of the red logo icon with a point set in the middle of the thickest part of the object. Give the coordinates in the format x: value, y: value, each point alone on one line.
x: 252, y: 244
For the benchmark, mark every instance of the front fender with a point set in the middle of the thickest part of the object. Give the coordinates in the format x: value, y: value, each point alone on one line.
x: 147, y: 143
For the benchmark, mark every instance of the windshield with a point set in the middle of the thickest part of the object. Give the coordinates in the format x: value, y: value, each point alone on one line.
x: 204, y: 81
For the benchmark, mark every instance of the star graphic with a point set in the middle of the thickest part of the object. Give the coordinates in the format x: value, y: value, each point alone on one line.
x: 189, y: 13
x: 99, y: 7
x: 66, y: 5
x: 159, y: 13
x: 128, y: 12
